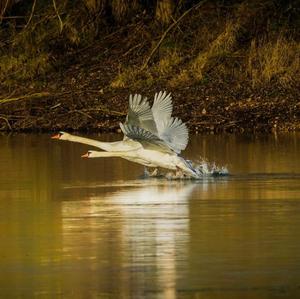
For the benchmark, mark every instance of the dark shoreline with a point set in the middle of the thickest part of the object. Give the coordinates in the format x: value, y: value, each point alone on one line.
x: 204, y: 109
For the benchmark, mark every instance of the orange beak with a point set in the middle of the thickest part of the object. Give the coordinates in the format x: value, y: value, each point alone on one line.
x: 85, y: 155
x: 57, y: 136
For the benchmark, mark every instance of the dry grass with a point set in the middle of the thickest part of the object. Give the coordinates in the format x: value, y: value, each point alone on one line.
x: 213, y: 43
x: 209, y: 54
x: 94, y: 6
x: 182, y: 79
x: 27, y: 57
x: 135, y: 77
x: 227, y: 54
x: 220, y: 47
x: 124, y: 78
x: 274, y: 61
x: 167, y: 63
x: 23, y: 67
x: 132, y: 77
x: 28, y: 54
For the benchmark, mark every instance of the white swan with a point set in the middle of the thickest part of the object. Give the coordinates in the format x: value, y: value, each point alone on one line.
x: 139, y: 114
x: 153, y: 152
x: 151, y: 136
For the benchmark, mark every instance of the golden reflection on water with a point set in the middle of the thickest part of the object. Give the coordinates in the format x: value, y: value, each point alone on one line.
x: 72, y: 228
x: 149, y: 223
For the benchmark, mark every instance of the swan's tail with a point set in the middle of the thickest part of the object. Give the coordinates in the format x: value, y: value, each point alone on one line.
x: 187, y: 167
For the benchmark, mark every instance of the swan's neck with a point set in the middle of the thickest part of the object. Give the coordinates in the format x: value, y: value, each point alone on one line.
x: 106, y: 146
x: 122, y: 154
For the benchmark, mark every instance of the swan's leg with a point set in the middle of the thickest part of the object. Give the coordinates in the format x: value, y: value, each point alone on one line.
x: 155, y: 172
x: 178, y: 173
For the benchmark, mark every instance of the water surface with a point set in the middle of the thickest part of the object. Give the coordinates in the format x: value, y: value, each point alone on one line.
x: 77, y: 228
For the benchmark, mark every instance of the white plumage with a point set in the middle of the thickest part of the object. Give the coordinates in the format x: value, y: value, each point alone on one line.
x: 152, y: 137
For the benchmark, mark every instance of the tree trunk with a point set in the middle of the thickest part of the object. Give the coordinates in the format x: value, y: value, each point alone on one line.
x: 164, y: 10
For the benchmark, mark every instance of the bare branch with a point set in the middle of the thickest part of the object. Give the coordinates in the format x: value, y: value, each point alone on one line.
x: 31, y: 14
x: 24, y: 97
x: 58, y: 16
x: 168, y: 30
x: 7, y: 122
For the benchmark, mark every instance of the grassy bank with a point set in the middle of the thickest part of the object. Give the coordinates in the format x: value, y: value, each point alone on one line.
x: 231, y: 65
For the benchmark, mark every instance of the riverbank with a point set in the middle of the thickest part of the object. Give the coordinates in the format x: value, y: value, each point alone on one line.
x: 223, y: 75
x: 203, y: 108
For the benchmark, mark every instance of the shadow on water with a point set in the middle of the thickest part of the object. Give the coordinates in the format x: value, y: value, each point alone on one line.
x: 73, y: 228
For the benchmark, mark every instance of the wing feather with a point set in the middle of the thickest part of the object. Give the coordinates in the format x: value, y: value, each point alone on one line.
x: 162, y: 107
x: 140, y: 114
x: 175, y: 134
x: 142, y: 120
x: 147, y: 139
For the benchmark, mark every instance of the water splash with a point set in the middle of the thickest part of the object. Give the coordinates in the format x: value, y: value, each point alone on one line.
x: 202, y: 167
x: 205, y: 168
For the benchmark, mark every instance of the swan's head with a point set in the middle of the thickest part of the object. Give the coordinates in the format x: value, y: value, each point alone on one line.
x: 97, y: 154
x: 61, y: 136
x: 89, y: 154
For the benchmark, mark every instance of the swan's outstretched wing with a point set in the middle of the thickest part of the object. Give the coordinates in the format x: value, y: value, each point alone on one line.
x: 147, y: 139
x: 140, y: 114
x: 157, y: 120
x: 171, y: 130
x: 175, y: 134
x: 162, y: 108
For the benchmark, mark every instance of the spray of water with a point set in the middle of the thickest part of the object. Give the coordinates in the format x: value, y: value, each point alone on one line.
x: 202, y: 167
x: 205, y: 168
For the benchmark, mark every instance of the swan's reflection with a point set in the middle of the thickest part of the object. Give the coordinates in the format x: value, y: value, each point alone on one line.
x: 138, y: 234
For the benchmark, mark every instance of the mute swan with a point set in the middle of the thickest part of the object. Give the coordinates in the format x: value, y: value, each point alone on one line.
x: 153, y: 158
x: 151, y: 136
x: 139, y: 114
x: 153, y: 150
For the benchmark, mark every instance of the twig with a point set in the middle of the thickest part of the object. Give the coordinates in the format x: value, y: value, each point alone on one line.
x: 7, y: 122
x: 131, y: 49
x: 175, y: 21
x: 31, y: 14
x: 81, y: 112
x: 55, y: 106
x: 13, y: 17
x: 117, y: 31
x: 27, y: 96
x: 111, y: 112
x: 12, y: 116
x: 3, y: 11
x: 104, y: 38
x: 231, y: 123
x: 58, y: 16
x: 168, y: 30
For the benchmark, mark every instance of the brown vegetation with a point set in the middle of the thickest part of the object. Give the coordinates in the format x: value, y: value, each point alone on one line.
x: 242, y: 56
